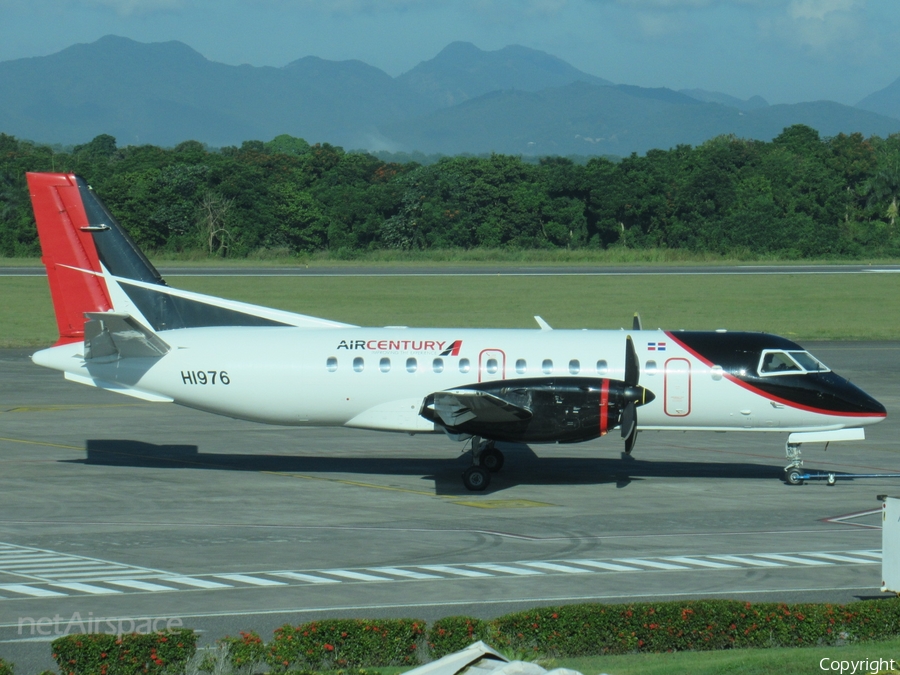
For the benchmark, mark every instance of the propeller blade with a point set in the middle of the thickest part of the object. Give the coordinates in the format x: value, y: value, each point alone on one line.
x: 629, y: 442
x: 632, y: 376
x: 636, y: 322
x: 629, y: 420
x: 632, y: 369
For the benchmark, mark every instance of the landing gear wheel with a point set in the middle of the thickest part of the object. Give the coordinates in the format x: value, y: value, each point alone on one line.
x: 794, y: 477
x: 476, y: 478
x: 832, y: 479
x: 492, y: 459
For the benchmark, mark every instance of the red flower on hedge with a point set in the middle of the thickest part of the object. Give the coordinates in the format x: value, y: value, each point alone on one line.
x: 328, y: 647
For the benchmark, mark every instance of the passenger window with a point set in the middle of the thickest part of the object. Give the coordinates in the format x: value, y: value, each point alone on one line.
x: 385, y: 364
x: 411, y: 365
x: 358, y: 364
x: 331, y: 364
x: 574, y: 367
x: 438, y: 365
x: 650, y: 367
x: 491, y: 366
x: 602, y: 367
x: 464, y: 365
x: 547, y: 366
x: 521, y: 367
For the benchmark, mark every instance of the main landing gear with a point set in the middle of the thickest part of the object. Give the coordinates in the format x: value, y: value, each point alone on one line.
x: 486, y: 459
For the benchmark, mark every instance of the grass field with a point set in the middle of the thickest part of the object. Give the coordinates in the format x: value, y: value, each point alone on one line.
x: 781, y: 661
x: 799, y: 306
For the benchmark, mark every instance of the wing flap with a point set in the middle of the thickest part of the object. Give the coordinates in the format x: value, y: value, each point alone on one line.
x: 458, y: 406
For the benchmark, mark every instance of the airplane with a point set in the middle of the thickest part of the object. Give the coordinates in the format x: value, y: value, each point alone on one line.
x: 123, y: 329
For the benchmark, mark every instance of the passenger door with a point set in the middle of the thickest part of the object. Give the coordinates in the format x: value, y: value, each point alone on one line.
x: 491, y: 365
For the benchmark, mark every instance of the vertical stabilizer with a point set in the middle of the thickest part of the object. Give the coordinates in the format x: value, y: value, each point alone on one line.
x: 69, y: 253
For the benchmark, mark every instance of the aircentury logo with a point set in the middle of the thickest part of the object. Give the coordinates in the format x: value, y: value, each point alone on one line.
x: 445, y: 348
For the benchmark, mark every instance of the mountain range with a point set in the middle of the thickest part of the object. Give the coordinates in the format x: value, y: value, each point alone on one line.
x: 514, y: 100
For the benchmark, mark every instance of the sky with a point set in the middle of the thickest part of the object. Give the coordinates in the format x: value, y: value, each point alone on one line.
x: 786, y: 51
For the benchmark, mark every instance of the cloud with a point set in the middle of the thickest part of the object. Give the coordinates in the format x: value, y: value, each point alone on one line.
x: 526, y: 7
x: 825, y: 27
x: 821, y: 10
x: 131, y: 7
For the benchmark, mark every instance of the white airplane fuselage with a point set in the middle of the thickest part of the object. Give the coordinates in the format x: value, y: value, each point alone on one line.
x: 378, y: 378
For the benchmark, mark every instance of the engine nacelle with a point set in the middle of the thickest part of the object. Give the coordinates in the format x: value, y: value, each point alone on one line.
x: 546, y: 410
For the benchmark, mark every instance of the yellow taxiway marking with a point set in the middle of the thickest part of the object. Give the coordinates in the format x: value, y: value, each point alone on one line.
x: 45, y: 444
x: 486, y: 504
x: 354, y: 483
x: 503, y: 504
x: 72, y: 406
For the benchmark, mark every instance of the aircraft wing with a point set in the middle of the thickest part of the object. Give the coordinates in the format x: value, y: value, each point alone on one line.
x: 458, y: 406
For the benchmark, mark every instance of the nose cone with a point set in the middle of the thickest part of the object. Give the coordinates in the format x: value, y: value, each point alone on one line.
x: 842, y: 396
x: 638, y: 395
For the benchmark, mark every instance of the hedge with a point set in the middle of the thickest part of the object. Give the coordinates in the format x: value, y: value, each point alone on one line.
x: 566, y: 631
x: 593, y: 630
x: 346, y: 643
x: 161, y: 653
x: 453, y: 633
x: 6, y: 668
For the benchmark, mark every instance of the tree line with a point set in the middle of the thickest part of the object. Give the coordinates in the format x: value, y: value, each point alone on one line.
x: 797, y: 196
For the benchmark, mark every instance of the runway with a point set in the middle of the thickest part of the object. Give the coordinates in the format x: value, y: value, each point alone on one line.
x: 111, y: 508
x: 444, y: 270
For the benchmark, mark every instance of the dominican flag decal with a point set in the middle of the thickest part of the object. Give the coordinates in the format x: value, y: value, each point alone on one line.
x: 453, y: 349
x: 656, y: 346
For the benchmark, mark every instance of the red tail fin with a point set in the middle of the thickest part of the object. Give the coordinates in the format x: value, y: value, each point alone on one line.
x: 68, y: 251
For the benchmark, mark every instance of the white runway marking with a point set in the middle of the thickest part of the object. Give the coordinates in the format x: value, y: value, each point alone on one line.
x: 87, y: 588
x: 141, y: 585
x: 744, y: 560
x: 34, y: 591
x: 506, y: 569
x: 457, y: 571
x: 298, y: 576
x: 253, y: 581
x: 196, y: 583
x: 356, y: 576
x: 656, y: 564
x: 58, y: 579
x: 37, y: 564
x: 555, y: 567
x: 609, y: 566
x: 791, y: 559
x: 700, y: 562
x: 407, y: 574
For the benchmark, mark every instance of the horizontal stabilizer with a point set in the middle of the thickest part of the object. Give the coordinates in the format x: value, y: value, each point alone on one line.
x: 119, y: 388
x: 458, y: 406
x: 110, y: 334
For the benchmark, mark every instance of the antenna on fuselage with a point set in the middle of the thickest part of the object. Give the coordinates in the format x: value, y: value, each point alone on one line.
x: 636, y: 322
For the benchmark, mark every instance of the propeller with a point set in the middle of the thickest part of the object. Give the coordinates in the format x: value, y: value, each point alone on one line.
x: 634, y: 395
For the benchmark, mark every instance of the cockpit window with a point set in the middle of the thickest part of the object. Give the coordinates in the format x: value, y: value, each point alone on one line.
x: 777, y: 362
x: 809, y: 363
